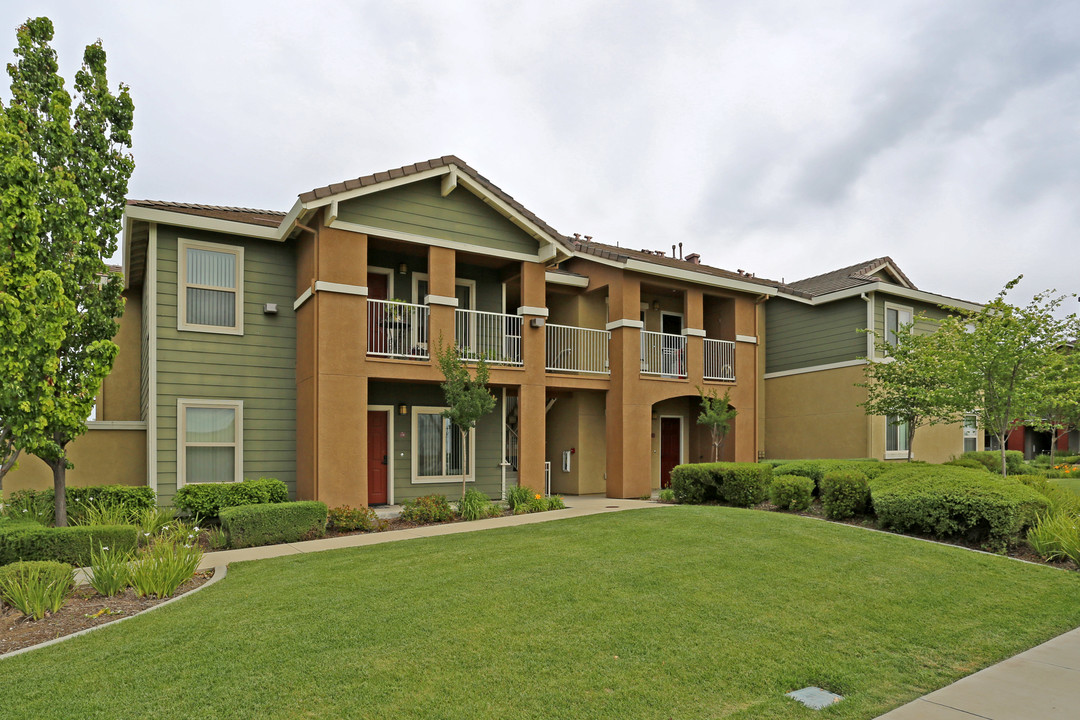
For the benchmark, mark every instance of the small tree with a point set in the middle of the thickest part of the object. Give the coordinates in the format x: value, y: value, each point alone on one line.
x: 82, y: 167
x: 467, y: 397
x: 995, y: 359
x: 716, y: 414
x: 907, y: 382
x: 1061, y: 406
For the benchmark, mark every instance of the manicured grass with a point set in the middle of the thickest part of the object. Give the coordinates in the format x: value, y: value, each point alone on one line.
x: 1072, y: 483
x: 681, y: 612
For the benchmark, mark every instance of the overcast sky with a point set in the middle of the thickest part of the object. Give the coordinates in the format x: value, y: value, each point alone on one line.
x: 786, y: 139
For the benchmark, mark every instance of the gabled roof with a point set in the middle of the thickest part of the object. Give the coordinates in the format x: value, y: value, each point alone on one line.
x: 251, y: 216
x: 852, y: 276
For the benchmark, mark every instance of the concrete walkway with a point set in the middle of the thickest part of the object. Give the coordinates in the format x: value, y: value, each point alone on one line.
x: 576, y: 506
x: 1040, y: 684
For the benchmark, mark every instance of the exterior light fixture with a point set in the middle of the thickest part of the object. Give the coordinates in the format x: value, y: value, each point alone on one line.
x: 655, y: 304
x: 402, y: 269
x: 402, y: 409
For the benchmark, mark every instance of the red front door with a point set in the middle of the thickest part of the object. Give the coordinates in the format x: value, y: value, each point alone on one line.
x: 670, y: 450
x: 377, y: 457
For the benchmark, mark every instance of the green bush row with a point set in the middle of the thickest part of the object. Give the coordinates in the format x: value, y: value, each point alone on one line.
x: 740, y: 484
x: 64, y: 544
x: 40, y: 503
x: 206, y: 500
x: 816, y: 469
x: 791, y: 492
x: 991, y: 460
x: 270, y: 523
x: 954, y: 501
x: 844, y: 493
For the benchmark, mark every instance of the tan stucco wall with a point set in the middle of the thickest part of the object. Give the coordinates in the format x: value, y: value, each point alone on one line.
x: 678, y: 407
x: 576, y: 421
x: 120, y: 398
x: 816, y: 415
x: 936, y: 444
x: 101, y: 457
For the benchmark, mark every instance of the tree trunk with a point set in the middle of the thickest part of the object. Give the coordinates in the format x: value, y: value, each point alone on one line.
x: 59, y: 471
x: 715, y: 447
x: 910, y: 439
x: 1004, y: 466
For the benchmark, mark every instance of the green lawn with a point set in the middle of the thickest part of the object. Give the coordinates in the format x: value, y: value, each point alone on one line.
x: 682, y: 612
x: 1072, y: 483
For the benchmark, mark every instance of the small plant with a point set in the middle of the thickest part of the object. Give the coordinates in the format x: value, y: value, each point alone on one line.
x: 151, y: 519
x: 791, y: 492
x: 217, y: 538
x: 36, y: 588
x: 349, y: 519
x: 427, y: 509
x: 163, y: 567
x: 109, y: 570
x: 1056, y: 536
x: 474, y: 506
x: 537, y: 503
x: 667, y: 495
x: 94, y: 513
x: 518, y: 496
x: 555, y: 502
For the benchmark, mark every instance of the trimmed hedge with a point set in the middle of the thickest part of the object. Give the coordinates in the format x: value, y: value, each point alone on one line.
x: 271, y: 523
x: 791, y: 492
x: 967, y: 462
x: 952, y: 501
x: 206, y: 500
x: 741, y: 484
x: 844, y: 493
x: 694, y: 484
x: 110, y: 496
x: 991, y: 460
x: 64, y: 544
x: 816, y: 469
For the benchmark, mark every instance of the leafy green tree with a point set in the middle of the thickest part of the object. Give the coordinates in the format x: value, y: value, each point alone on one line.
x: 907, y: 382
x: 467, y: 397
x: 1060, y: 413
x: 995, y: 359
x: 81, y: 168
x: 716, y: 414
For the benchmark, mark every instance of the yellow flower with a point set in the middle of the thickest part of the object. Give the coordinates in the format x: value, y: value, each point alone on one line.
x: 538, y: 496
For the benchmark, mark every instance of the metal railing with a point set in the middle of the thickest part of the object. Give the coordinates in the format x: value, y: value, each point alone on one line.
x: 397, y: 329
x: 719, y: 359
x: 663, y: 354
x: 495, y: 336
x: 574, y: 349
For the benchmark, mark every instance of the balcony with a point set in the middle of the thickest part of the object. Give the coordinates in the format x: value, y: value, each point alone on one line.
x: 494, y: 336
x: 719, y: 360
x: 397, y: 330
x: 576, y: 350
x: 663, y: 354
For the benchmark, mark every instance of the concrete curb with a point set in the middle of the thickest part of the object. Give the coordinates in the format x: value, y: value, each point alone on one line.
x: 219, y: 573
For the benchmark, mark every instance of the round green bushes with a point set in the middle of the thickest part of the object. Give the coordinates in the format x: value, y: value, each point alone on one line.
x: 791, y: 492
x: 744, y: 484
x: 991, y: 460
x: 967, y: 462
x: 844, y: 493
x: 693, y: 484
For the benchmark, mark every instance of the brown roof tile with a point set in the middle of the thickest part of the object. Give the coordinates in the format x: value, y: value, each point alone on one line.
x: 621, y: 254
x: 251, y: 216
x: 847, y: 277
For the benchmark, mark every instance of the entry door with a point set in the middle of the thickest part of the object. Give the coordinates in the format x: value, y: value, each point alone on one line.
x: 377, y: 452
x: 671, y: 345
x: 670, y: 447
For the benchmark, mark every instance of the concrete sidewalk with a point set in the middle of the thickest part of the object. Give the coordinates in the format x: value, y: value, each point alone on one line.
x: 576, y: 506
x: 1040, y: 684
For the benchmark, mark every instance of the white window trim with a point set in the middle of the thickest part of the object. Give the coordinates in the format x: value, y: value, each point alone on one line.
x: 181, y: 430
x: 458, y: 282
x: 414, y: 446
x: 885, y: 317
x: 182, y: 285
x: 894, y: 454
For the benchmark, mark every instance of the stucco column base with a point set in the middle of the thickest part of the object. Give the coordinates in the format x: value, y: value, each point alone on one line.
x: 629, y: 448
x: 532, y: 403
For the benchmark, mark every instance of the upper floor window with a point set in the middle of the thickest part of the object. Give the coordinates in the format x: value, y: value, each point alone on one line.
x: 210, y: 283
x: 896, y: 317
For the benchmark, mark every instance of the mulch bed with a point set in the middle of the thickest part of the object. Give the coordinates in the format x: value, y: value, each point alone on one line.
x: 84, y: 609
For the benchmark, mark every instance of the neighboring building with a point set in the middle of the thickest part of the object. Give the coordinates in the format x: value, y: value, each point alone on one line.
x: 815, y: 349
x: 299, y: 345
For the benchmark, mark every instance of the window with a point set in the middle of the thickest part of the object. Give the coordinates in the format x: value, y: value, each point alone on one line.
x: 438, y: 452
x: 209, y: 441
x: 971, y: 433
x: 211, y: 295
x: 897, y: 437
x: 896, y: 317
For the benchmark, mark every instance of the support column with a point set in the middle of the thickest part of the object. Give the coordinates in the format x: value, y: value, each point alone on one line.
x: 695, y: 333
x: 628, y: 426
x: 532, y: 393
x: 442, y: 273
x: 532, y: 406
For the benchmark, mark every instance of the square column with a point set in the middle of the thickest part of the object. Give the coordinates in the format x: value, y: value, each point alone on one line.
x: 442, y: 272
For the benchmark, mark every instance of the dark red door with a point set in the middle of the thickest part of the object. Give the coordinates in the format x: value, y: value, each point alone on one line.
x: 377, y: 457
x: 670, y: 442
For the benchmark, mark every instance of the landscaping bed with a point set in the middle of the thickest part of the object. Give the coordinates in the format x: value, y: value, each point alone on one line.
x: 84, y: 609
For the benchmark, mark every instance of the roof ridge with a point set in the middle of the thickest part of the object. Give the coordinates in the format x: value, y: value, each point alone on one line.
x: 203, y: 206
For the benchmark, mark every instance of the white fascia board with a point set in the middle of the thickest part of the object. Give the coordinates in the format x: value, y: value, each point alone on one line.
x: 199, y: 222
x: 698, y: 277
x: 571, y: 280
x: 888, y: 289
x: 510, y: 213
x: 895, y: 273
x: 302, y: 299
x: 815, y: 368
x: 126, y: 238
x: 377, y: 187
x: 425, y: 240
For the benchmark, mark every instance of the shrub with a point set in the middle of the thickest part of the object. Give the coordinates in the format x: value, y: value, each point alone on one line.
x: 967, y: 462
x: 844, y: 493
x: 109, y: 570
x: 349, y: 519
x: 206, y: 500
x: 475, y: 505
x: 36, y: 588
x: 1056, y: 536
x: 817, y: 469
x: 64, y: 544
x: 427, y: 509
x: 791, y: 492
x: 744, y: 484
x: 518, y: 495
x: 1060, y: 499
x: 555, y: 502
x: 163, y: 567
x: 267, y: 524
x: 695, y: 483
x: 804, y: 468
x: 39, y: 503
x: 952, y: 501
x: 991, y: 460
x: 667, y: 495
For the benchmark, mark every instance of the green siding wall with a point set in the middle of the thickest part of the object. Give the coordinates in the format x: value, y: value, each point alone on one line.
x: 924, y: 324
x: 799, y: 336
x: 488, y: 442
x: 258, y: 367
x: 420, y: 209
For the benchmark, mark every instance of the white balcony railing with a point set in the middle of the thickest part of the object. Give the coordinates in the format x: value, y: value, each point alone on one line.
x: 719, y: 359
x: 663, y: 354
x: 397, y: 329
x: 574, y: 349
x: 495, y: 336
